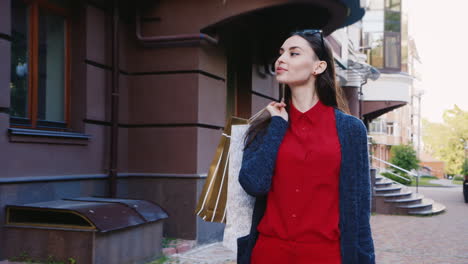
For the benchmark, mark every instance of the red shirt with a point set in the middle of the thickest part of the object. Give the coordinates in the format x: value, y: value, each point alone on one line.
x: 303, y: 202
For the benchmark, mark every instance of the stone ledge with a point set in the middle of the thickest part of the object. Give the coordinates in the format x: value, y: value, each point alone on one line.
x: 22, y: 135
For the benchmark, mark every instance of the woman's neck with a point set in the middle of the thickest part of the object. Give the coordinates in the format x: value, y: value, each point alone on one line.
x: 304, y: 97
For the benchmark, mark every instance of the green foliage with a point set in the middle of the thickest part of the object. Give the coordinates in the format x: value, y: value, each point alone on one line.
x: 458, y: 178
x: 447, y: 141
x: 429, y: 177
x: 404, y: 156
x: 24, y: 257
x: 465, y: 167
x: 160, y: 260
x: 168, y: 242
x: 424, y: 182
x: 458, y: 182
x: 397, y: 179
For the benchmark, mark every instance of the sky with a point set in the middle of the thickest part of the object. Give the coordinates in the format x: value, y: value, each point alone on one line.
x: 439, y: 29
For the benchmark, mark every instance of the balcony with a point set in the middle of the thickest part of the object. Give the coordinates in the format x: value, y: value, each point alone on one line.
x: 389, y: 92
x: 384, y: 139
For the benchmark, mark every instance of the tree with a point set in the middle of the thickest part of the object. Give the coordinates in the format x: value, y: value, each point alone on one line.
x: 465, y: 168
x: 404, y: 156
x: 446, y: 141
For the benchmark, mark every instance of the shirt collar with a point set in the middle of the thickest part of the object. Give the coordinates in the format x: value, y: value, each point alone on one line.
x: 312, y: 114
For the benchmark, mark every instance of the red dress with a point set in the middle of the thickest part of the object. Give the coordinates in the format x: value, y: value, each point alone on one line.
x: 301, y: 219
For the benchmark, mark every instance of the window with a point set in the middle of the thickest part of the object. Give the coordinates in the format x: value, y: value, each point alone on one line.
x: 377, y: 126
x: 390, y: 129
x: 39, y: 80
x: 392, y: 50
x: 375, y: 42
x: 394, y: 5
x: 392, y: 21
x: 382, y: 26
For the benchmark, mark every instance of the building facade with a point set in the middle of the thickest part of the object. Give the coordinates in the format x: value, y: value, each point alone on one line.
x: 128, y: 99
x: 390, y: 108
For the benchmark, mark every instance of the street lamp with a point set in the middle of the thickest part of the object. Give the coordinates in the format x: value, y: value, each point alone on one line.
x: 418, y: 94
x: 465, y: 163
x: 465, y: 176
x: 465, y: 148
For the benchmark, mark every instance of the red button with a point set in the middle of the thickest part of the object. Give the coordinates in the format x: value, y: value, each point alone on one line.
x: 297, y: 190
x: 293, y: 215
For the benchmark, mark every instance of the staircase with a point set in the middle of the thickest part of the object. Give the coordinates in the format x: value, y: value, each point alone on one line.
x: 394, y: 198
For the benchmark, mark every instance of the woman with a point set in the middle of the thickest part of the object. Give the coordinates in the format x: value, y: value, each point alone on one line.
x: 308, y: 168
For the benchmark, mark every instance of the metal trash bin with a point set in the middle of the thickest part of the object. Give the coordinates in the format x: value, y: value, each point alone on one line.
x: 91, y: 230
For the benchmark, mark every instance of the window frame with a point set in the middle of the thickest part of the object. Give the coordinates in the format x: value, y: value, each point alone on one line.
x: 31, y: 121
x: 390, y: 128
x: 384, y: 10
x: 391, y: 34
x: 397, y: 36
x: 378, y: 126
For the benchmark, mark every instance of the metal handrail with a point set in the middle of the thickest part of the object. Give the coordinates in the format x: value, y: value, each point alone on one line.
x: 401, y: 169
x: 394, y: 174
x: 393, y: 181
x: 395, y: 166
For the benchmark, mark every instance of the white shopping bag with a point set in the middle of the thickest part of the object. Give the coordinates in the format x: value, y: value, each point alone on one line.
x: 239, y: 206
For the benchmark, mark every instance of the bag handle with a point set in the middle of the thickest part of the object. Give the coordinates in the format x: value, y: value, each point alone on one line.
x: 257, y: 115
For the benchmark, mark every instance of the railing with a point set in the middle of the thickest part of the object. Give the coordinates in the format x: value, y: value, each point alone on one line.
x: 394, y: 174
x: 395, y: 166
x: 412, y: 174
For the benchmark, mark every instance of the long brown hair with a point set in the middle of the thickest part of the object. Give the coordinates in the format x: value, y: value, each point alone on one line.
x: 327, y: 89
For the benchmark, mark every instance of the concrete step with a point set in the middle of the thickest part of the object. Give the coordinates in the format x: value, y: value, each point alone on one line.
x: 392, y: 198
x: 413, y: 199
x: 423, y: 205
x: 403, y: 194
x: 436, y: 208
x: 383, y: 183
x: 424, y: 201
x: 392, y: 189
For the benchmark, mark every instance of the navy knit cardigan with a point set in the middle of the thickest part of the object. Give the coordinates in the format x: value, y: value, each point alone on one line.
x: 255, y: 176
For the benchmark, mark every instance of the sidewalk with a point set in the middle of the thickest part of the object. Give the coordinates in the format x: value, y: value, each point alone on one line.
x: 207, y: 254
x: 440, y: 239
x: 444, y: 182
x: 213, y: 253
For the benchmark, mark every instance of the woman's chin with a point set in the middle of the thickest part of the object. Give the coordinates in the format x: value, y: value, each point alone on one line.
x: 281, y: 80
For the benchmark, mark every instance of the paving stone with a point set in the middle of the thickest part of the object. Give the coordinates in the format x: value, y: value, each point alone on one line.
x: 169, y: 251
x: 439, y: 239
x: 184, y: 247
x: 426, y: 240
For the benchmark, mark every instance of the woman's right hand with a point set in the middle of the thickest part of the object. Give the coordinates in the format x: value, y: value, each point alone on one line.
x: 277, y: 109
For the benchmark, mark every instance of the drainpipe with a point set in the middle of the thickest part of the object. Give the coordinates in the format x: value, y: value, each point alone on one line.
x: 360, y: 95
x: 114, y: 103
x: 170, y: 38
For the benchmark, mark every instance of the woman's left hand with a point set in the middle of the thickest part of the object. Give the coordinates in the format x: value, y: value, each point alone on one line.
x: 278, y: 109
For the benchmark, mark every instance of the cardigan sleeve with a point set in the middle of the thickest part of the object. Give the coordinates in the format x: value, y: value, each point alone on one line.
x: 365, y: 242
x: 259, y: 158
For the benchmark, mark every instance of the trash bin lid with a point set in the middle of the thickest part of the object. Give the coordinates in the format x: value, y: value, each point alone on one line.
x: 148, y: 210
x: 85, y: 213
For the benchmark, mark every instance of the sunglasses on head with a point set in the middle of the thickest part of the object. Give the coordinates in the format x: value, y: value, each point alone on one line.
x: 310, y: 32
